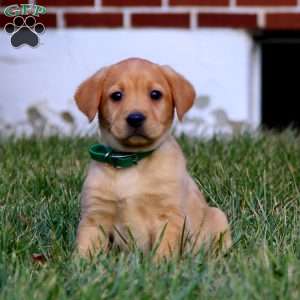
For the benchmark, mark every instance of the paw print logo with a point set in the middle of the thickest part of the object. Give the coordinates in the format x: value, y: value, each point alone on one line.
x: 24, y: 31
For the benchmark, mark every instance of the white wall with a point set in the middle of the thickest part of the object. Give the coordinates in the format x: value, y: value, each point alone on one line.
x: 218, y: 62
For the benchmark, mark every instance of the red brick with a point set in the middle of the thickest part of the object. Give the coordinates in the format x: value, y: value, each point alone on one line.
x: 227, y: 20
x: 131, y: 2
x: 49, y: 20
x: 48, y: 3
x: 94, y: 20
x: 10, y: 2
x: 267, y: 2
x: 179, y: 20
x: 199, y: 2
x: 283, y: 21
x: 4, y: 20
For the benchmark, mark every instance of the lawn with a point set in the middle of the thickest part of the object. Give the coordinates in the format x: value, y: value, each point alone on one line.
x: 254, y: 179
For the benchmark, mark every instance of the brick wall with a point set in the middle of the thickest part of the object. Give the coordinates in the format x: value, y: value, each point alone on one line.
x: 248, y: 14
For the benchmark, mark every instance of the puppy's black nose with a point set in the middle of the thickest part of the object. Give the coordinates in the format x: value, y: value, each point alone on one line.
x: 135, y: 119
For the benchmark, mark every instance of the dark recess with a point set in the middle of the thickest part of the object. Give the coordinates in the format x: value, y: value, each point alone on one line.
x: 280, y: 78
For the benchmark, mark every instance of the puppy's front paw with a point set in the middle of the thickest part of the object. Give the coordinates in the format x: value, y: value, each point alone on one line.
x: 215, y: 233
x: 167, y: 249
x: 90, y: 240
x: 161, y: 254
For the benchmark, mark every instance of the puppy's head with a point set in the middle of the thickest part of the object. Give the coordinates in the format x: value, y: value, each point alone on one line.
x: 135, y: 101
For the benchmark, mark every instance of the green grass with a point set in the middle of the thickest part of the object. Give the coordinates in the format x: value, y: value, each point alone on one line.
x: 255, y: 180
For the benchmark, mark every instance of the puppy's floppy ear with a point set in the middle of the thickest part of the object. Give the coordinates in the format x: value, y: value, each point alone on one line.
x: 183, y: 92
x: 89, y: 93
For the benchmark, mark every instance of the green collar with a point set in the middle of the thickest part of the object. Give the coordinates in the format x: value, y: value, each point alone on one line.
x: 117, y: 159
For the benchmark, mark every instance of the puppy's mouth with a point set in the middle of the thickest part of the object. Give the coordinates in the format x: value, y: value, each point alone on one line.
x: 130, y: 139
x: 137, y: 138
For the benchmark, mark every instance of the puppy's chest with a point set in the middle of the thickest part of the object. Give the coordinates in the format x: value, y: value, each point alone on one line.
x: 132, y: 185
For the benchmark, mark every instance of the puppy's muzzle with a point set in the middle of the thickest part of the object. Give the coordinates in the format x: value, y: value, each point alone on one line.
x: 136, y: 119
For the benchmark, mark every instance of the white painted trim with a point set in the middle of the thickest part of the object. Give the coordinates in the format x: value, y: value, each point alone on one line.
x: 164, y: 5
x: 193, y: 20
x: 60, y: 20
x: 97, y: 3
x: 255, y: 85
x: 173, y: 9
x: 177, y: 9
x: 126, y: 18
x: 261, y: 19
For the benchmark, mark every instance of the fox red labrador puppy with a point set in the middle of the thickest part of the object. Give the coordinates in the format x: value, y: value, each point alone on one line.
x: 137, y: 183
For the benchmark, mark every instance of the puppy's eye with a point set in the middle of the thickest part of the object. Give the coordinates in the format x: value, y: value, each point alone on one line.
x: 155, y: 95
x: 116, y: 96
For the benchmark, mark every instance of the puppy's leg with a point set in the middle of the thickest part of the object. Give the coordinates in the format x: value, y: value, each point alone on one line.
x: 170, y: 234
x: 93, y: 231
x: 215, y: 232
